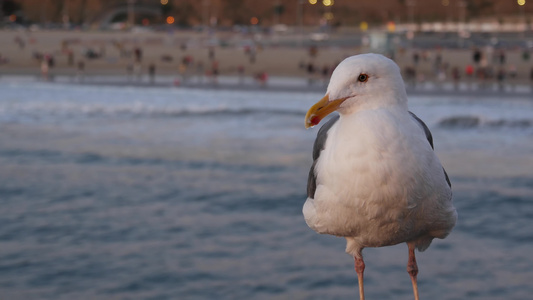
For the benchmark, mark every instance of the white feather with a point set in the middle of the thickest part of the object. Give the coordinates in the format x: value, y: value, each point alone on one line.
x: 379, y: 182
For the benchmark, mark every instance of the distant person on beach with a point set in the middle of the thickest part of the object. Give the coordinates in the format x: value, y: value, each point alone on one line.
x: 526, y: 55
x: 500, y: 76
x: 51, y: 60
x: 137, y: 70
x: 456, y: 76
x: 253, y: 53
x: 81, y: 70
x: 416, y: 58
x: 441, y: 76
x: 138, y: 54
x: 200, y: 72
x: 310, y: 73
x: 151, y: 72
x: 20, y: 42
x: 214, y: 72
x: 167, y: 58
x: 262, y: 78
x: 70, y: 57
x: 476, y: 56
x: 37, y: 55
x: 512, y: 72
x: 301, y: 65
x: 45, y: 68
x: 91, y: 54
x: 313, y: 51
x: 122, y: 51
x: 64, y: 46
x: 410, y: 76
x: 469, y: 70
x: 484, y: 73
x: 501, y: 57
x: 182, y: 70
x: 187, y: 60
x: 129, y: 71
x: 211, y: 53
x: 438, y: 62
x: 240, y: 72
x: 325, y: 73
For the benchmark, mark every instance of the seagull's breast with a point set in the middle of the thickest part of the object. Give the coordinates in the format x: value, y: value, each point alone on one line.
x: 375, y: 176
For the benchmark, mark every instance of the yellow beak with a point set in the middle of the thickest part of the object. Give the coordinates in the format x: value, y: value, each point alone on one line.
x: 320, y: 110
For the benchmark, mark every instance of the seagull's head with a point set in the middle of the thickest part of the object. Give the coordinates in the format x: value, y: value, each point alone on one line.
x: 365, y: 81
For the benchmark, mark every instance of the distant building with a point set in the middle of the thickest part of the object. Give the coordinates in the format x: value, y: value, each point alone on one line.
x: 290, y: 12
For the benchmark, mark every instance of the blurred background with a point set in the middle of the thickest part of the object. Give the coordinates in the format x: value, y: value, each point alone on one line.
x: 156, y: 149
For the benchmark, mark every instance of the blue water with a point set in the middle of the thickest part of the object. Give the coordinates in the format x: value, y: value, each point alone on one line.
x: 165, y: 193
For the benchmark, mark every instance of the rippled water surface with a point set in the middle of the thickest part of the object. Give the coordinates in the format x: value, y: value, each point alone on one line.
x: 162, y: 193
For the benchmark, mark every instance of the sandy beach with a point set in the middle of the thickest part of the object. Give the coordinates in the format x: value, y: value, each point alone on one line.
x: 21, y: 52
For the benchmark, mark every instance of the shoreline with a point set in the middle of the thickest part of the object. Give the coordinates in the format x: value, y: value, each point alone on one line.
x: 275, y: 84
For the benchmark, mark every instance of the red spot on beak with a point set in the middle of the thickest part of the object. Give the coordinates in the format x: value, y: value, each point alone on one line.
x: 315, y: 120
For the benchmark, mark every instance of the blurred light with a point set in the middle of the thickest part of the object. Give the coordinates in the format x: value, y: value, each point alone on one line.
x: 12, y: 18
x: 328, y: 16
x: 521, y: 2
x: 391, y: 27
x: 164, y: 2
x: 327, y: 2
x: 363, y: 26
x: 254, y: 21
x: 313, y: 2
x: 170, y: 20
x: 445, y: 2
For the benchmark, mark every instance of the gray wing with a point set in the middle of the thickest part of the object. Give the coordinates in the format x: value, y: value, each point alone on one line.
x: 320, y: 143
x: 426, y: 129
x: 430, y: 140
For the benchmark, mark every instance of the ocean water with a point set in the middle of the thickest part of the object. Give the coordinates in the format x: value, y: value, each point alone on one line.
x: 164, y: 193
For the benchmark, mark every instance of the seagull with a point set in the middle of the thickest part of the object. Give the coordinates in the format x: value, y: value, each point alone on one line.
x: 375, y: 179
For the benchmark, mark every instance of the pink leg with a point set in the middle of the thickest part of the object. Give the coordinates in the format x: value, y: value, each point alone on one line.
x: 360, y: 269
x: 412, y: 268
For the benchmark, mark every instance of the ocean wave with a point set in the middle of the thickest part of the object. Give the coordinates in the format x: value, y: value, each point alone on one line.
x: 509, y: 197
x: 138, y: 111
x: 223, y: 112
x: 22, y: 156
x: 469, y: 122
x: 196, y: 112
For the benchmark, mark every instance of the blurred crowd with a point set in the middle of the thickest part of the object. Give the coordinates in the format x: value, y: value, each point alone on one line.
x: 486, y: 68
x: 190, y: 66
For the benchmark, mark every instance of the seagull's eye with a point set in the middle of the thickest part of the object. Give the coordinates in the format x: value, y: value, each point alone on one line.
x: 362, y: 77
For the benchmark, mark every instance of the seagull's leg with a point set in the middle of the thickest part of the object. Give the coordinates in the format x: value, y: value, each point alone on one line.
x: 412, y: 268
x: 360, y: 268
